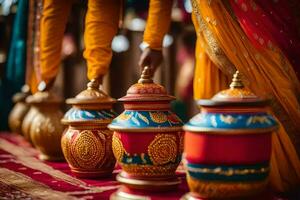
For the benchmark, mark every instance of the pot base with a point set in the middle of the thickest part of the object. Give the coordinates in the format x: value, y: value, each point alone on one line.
x: 122, y: 195
x: 157, y: 184
x: 91, y: 174
x: 262, y: 196
x: 51, y: 158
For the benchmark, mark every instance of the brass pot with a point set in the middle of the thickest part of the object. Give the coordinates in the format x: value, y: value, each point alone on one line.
x: 27, y: 121
x: 46, y: 129
x: 86, y: 143
x: 19, y: 111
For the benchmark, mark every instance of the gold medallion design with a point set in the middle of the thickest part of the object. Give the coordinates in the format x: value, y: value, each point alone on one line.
x: 158, y: 117
x: 118, y: 148
x: 181, y: 142
x: 163, y: 149
x: 88, y: 150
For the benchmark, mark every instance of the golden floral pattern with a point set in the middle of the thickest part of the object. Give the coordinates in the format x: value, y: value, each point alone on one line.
x: 163, y: 149
x: 228, y: 119
x: 88, y: 150
x: 158, y: 117
x: 258, y: 119
x: 118, y: 148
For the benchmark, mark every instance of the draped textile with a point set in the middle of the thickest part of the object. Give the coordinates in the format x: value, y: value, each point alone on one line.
x: 208, y: 78
x: 101, y: 25
x: 158, y: 25
x: 267, y: 68
x: 16, y: 62
x: 268, y: 22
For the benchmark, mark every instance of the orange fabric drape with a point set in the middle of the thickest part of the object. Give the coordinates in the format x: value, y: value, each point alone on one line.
x: 158, y: 22
x: 101, y: 25
x: 269, y: 74
x: 208, y: 78
x: 54, y: 18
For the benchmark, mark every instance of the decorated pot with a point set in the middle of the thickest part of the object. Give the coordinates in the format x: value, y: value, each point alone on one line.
x: 227, y: 146
x: 46, y: 129
x: 148, y: 137
x: 27, y: 121
x: 87, y: 143
x: 19, y: 111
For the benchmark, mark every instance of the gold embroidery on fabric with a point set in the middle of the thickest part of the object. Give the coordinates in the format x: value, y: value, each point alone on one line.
x: 213, y: 50
x: 30, y: 186
x: 163, y: 149
x: 24, y: 157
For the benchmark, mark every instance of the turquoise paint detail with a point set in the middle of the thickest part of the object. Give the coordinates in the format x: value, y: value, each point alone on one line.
x: 137, y: 159
x: 232, y: 121
x: 142, y: 119
x: 76, y: 114
x: 207, y: 176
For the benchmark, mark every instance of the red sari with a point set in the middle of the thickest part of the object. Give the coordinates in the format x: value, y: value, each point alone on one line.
x: 269, y: 22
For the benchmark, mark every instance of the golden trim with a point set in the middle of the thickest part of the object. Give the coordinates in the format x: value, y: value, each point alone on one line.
x: 230, y: 171
x: 150, y: 170
x: 145, y: 129
x: 218, y: 189
x: 156, y: 182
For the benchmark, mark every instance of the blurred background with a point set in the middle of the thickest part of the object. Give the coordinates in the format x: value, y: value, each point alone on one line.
x: 176, y: 72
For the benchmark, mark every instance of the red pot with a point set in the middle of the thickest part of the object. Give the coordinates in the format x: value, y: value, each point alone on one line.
x: 147, y: 140
x: 228, y: 144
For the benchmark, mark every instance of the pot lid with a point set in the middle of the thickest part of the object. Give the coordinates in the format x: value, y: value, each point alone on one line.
x: 78, y: 116
x: 45, y: 97
x: 146, y: 90
x: 247, y: 113
x: 93, y: 97
x: 237, y: 94
x: 146, y: 121
x: 21, y: 96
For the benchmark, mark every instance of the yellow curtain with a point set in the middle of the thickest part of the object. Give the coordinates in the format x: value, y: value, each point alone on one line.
x: 158, y: 22
x: 269, y: 74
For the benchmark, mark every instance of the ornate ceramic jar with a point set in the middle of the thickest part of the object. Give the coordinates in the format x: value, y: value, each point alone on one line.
x: 19, y: 111
x: 228, y: 145
x: 86, y: 143
x: 147, y: 140
x: 46, y: 129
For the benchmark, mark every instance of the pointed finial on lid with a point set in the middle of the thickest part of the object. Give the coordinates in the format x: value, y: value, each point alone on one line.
x: 93, y: 84
x: 236, y: 81
x: 146, y: 76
